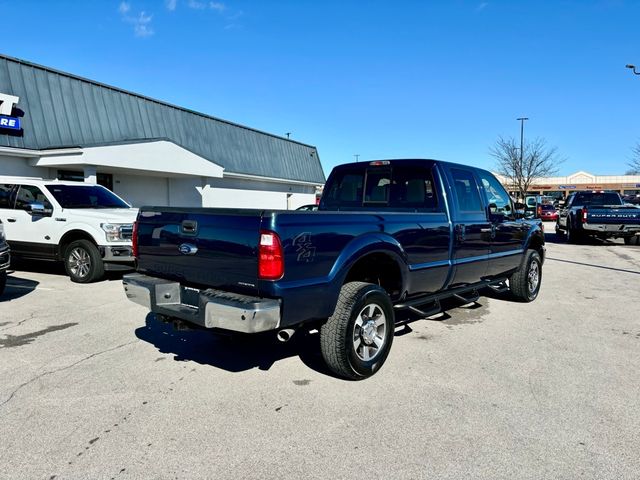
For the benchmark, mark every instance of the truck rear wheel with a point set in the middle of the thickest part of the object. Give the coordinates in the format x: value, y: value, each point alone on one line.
x: 525, y: 283
x: 356, y: 340
x: 83, y: 262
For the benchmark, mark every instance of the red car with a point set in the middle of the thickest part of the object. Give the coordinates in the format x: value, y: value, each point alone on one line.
x: 547, y: 213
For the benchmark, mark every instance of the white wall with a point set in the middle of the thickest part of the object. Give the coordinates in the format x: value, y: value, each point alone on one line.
x: 19, y: 167
x: 237, y: 198
x: 139, y: 190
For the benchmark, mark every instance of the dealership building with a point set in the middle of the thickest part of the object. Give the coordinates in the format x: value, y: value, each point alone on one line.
x: 57, y: 125
x: 561, y: 187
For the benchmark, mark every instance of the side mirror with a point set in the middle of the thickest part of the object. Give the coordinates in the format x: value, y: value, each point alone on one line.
x: 493, y: 208
x: 38, y: 210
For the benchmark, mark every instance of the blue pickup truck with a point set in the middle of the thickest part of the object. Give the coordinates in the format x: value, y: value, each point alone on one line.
x: 598, y: 214
x: 388, y: 237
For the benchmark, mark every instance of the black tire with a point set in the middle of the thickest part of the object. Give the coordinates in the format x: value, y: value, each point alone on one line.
x: 82, y: 262
x: 3, y: 281
x: 525, y: 283
x: 348, y: 344
x: 572, y: 234
x: 634, y: 240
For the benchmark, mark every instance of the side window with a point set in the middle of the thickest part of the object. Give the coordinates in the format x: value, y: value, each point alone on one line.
x: 466, y: 190
x: 413, y: 188
x: 28, y: 194
x: 6, y: 200
x: 495, y: 194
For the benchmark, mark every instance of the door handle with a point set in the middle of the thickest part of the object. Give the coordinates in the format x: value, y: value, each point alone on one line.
x: 11, y: 220
x: 460, y: 233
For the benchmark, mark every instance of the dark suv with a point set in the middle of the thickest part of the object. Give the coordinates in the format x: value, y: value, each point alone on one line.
x: 4, y: 259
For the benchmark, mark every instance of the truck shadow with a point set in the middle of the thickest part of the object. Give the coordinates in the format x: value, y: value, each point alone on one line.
x: 236, y: 353
x: 553, y: 237
x: 17, y: 287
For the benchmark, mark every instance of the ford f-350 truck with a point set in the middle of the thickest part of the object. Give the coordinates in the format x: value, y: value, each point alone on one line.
x: 598, y: 214
x: 388, y: 236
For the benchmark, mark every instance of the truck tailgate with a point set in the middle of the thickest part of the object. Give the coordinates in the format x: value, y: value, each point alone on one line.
x: 628, y: 215
x: 213, y: 248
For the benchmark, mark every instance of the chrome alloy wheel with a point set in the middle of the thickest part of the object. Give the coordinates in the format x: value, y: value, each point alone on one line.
x: 533, y: 277
x: 369, y: 332
x: 79, y: 262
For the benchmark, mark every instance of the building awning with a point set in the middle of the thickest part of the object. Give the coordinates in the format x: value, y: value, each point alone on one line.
x: 159, y: 157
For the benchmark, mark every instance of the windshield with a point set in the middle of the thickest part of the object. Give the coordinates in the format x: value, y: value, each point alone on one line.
x: 85, y: 196
x: 597, y: 199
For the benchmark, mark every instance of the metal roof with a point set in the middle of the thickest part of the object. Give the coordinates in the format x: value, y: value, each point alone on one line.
x: 92, y: 113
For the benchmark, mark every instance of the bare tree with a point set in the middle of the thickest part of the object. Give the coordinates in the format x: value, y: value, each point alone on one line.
x: 635, y: 161
x: 538, y: 160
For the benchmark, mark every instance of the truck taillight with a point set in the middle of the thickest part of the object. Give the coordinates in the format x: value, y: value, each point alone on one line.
x: 134, y: 240
x: 584, y: 215
x: 270, y: 259
x: 539, y: 211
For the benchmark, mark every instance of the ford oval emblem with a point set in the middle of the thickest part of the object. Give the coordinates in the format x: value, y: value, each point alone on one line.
x: 188, y: 249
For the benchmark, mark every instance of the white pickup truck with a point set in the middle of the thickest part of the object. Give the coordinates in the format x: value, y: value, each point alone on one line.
x: 86, y: 226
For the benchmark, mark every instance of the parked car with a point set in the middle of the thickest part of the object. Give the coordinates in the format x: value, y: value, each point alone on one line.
x: 5, y: 259
x: 86, y: 226
x: 600, y: 214
x: 389, y: 236
x: 547, y: 212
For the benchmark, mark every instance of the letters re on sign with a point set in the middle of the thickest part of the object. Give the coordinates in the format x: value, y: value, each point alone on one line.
x: 6, y: 106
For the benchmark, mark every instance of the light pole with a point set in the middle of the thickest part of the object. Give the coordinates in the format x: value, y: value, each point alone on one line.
x: 633, y: 68
x: 357, y: 155
x: 521, y: 119
x: 288, y: 134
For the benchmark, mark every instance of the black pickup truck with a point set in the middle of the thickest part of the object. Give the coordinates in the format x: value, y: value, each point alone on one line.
x: 5, y: 259
x: 599, y: 214
x: 389, y: 236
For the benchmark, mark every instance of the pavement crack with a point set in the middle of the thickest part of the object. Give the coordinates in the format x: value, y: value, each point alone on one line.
x: 61, y: 369
x: 33, y: 314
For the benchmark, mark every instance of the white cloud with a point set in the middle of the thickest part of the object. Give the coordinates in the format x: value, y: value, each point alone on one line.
x: 217, y: 6
x: 124, y: 8
x: 141, y: 22
x: 196, y: 5
x: 171, y: 4
x: 482, y: 6
x: 141, y: 25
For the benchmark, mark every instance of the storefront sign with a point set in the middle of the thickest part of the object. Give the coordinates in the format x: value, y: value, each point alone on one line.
x: 6, y: 108
x: 12, y: 123
x: 593, y: 187
x: 567, y: 187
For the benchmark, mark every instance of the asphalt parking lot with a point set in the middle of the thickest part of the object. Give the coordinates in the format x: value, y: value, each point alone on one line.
x: 91, y: 386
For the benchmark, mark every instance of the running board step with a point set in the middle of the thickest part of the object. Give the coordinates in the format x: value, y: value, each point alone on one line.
x: 499, y: 287
x: 473, y: 297
x: 432, y: 310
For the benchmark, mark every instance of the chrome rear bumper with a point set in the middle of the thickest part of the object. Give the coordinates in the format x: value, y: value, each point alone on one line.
x: 208, y: 308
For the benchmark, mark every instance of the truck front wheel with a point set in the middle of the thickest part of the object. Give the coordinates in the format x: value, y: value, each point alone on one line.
x: 525, y: 283
x: 83, y: 262
x: 356, y: 340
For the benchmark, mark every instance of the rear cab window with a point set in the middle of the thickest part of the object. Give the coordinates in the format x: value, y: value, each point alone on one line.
x: 586, y: 199
x: 400, y: 187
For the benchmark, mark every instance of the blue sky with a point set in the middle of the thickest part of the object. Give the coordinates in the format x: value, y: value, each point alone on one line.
x: 434, y: 79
